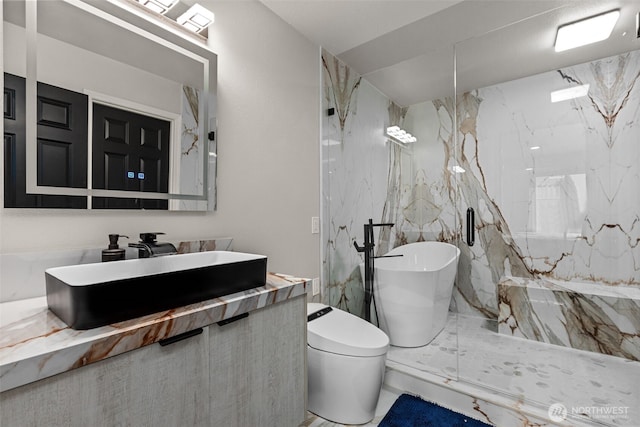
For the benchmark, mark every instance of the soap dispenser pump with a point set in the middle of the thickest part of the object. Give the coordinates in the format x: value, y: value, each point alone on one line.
x: 114, y: 252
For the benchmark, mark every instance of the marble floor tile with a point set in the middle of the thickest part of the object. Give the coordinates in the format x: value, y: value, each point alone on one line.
x: 539, y: 374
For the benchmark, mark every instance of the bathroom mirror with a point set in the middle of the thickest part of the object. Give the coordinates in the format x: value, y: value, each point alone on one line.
x: 146, y: 92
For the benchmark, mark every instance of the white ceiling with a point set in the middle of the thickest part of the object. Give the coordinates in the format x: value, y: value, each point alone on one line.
x: 405, y: 47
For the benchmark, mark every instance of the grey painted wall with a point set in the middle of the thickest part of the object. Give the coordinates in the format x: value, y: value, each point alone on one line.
x: 268, y: 156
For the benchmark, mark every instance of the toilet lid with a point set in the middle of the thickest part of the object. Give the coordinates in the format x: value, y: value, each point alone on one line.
x: 343, y: 333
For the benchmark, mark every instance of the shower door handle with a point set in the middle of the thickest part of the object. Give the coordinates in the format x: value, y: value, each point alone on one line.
x: 471, y: 227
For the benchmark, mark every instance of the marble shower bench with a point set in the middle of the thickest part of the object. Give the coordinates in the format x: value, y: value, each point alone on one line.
x: 585, y: 316
x: 113, y: 375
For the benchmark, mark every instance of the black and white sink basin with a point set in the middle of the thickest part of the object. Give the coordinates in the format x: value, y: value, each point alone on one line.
x: 91, y: 295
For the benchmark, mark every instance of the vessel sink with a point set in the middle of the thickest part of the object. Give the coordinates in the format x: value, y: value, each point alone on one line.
x: 87, y: 296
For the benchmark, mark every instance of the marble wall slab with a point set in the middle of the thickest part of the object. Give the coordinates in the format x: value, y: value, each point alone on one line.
x: 219, y: 244
x: 354, y: 187
x: 553, y: 185
x: 194, y: 148
x: 578, y: 315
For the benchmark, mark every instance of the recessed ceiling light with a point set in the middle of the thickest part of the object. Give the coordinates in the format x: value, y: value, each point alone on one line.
x: 196, y: 19
x: 159, y: 6
x: 569, y: 93
x: 586, y: 31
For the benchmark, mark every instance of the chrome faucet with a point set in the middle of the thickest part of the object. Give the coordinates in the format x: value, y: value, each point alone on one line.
x: 148, y: 247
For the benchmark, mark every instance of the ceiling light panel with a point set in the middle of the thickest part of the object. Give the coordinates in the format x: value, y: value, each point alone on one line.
x: 586, y: 31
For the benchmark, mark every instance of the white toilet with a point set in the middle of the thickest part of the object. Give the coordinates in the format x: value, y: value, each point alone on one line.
x: 346, y: 363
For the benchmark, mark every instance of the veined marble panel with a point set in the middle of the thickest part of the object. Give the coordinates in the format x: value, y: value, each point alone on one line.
x: 554, y: 185
x: 571, y: 205
x: 585, y: 316
x: 219, y: 244
x: 355, y: 156
x: 195, y: 147
x: 365, y: 175
x: 35, y: 344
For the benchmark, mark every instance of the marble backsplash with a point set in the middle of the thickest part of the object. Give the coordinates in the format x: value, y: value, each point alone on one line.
x: 554, y: 185
x: 22, y: 274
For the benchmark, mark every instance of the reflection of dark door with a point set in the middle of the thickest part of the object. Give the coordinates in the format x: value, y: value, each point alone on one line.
x: 61, y: 144
x: 130, y: 153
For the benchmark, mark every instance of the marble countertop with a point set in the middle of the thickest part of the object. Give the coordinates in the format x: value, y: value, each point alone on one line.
x: 35, y: 344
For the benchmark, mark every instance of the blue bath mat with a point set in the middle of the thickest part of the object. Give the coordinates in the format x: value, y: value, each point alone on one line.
x: 411, y: 411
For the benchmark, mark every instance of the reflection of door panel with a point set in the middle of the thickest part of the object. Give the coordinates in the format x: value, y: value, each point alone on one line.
x: 62, y: 144
x: 62, y: 137
x: 129, y: 149
x: 116, y: 166
x: 14, y: 140
x: 131, y: 153
x: 11, y: 184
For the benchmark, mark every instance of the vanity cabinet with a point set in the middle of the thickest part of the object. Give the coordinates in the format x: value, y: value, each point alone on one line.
x: 258, y: 370
x: 250, y: 372
x: 153, y: 385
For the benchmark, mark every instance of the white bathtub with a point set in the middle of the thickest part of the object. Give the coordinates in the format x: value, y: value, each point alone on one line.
x: 413, y: 292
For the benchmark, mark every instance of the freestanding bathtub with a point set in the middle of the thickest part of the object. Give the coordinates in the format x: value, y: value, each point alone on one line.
x: 413, y: 291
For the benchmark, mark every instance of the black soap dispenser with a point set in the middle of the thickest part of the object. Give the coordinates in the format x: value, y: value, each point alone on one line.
x: 114, y: 252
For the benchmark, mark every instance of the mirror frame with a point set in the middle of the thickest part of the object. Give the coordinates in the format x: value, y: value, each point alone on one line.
x: 135, y: 20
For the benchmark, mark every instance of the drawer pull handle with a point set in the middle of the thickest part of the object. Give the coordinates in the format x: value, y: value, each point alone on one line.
x: 180, y: 337
x: 233, y: 319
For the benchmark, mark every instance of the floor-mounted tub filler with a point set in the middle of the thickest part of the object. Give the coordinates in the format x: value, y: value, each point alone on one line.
x: 413, y: 291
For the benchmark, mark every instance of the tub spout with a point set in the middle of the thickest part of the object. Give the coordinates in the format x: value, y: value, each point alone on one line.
x: 386, y: 224
x: 359, y: 248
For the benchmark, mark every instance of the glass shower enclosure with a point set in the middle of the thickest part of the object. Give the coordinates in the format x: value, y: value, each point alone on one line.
x: 549, y: 145
x: 544, y: 320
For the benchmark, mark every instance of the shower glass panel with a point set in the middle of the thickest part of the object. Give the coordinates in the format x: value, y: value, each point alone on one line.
x: 424, y: 207
x: 367, y: 175
x: 548, y: 297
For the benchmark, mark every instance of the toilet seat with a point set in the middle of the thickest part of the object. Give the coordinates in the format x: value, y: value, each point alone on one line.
x: 343, y: 333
